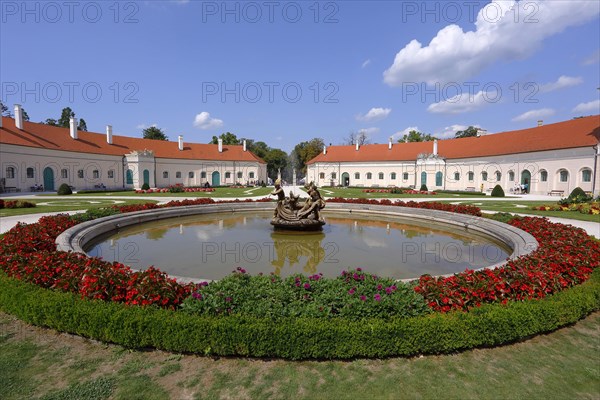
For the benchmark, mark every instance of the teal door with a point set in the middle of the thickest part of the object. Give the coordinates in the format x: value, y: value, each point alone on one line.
x: 423, y: 178
x: 147, y: 177
x: 48, y: 179
x: 216, y: 178
x: 129, y: 177
x: 346, y: 179
x: 526, y: 180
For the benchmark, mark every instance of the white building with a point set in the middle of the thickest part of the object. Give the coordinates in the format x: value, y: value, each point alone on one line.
x: 38, y: 154
x: 555, y: 157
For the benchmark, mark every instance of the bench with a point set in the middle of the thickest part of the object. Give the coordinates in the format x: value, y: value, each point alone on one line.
x: 470, y: 189
x: 37, y: 188
x: 556, y: 192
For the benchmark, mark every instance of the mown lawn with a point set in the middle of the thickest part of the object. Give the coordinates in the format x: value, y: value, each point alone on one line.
x: 55, y: 205
x: 358, y: 193
x: 524, y: 207
x: 219, y: 192
x: 39, y: 363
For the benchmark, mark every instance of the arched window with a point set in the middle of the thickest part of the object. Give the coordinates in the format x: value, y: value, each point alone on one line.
x: 165, y: 174
x: 178, y: 174
x: 393, y: 176
x: 96, y: 174
x: 498, y: 176
x: 251, y: 175
x: 111, y: 174
x: 129, y: 176
x: 423, y: 178
x: 333, y: 175
x: 381, y: 175
x: 439, y: 177
x: 471, y: 175
x: 511, y: 176
x: 239, y: 175
x: 586, y: 175
x: 227, y: 175
x: 203, y: 175
x: 369, y: 175
x: 322, y: 175
x: 10, y: 172
x: 80, y: 174
x: 64, y: 173
x: 544, y: 175
x: 30, y: 173
x: 191, y: 174
x: 564, y: 175
x: 405, y: 176
x: 357, y: 175
x: 457, y: 176
x: 484, y: 176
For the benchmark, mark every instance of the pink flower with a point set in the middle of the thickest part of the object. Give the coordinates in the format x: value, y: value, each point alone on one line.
x: 307, y: 286
x: 363, y: 297
x: 377, y: 297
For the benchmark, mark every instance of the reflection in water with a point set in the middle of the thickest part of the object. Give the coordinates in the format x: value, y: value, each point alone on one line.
x: 211, y: 246
x: 288, y: 248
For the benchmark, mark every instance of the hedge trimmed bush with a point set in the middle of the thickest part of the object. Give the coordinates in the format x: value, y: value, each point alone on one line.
x: 145, y: 186
x: 64, y: 190
x: 297, y: 338
x: 423, y: 188
x: 497, y: 191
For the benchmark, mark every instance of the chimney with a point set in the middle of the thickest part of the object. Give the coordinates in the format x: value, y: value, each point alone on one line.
x: 244, y: 144
x: 390, y: 143
x: 180, y: 142
x: 435, y: 151
x: 324, y: 149
x: 540, y: 122
x: 109, y: 139
x: 18, y: 116
x: 73, y: 127
x: 357, y: 146
x: 220, y: 145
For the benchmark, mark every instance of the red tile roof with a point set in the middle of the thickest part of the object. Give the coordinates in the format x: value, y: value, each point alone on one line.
x: 55, y: 138
x: 580, y: 132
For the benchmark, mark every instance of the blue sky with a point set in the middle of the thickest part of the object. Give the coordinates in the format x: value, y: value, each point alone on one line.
x: 284, y: 72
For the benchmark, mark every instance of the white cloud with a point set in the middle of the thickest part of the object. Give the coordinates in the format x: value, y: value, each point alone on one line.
x: 374, y: 114
x: 562, y: 82
x: 366, y: 63
x: 400, y: 134
x: 504, y: 31
x: 593, y: 58
x: 205, y: 122
x: 144, y: 126
x: 590, y: 106
x: 534, y: 114
x: 463, y: 102
x: 450, y: 131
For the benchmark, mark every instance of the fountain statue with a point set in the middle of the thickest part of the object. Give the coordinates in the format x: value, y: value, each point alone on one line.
x: 292, y: 215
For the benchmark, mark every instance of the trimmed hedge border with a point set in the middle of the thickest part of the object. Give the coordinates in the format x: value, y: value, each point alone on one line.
x: 297, y: 338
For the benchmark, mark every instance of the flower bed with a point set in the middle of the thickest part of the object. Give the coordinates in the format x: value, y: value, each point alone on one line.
x: 170, y: 190
x: 399, y: 191
x: 584, y: 208
x: 456, y: 208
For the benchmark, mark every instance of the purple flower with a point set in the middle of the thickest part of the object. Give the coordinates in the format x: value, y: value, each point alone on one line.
x: 359, y: 269
x: 197, y: 296
x: 377, y: 297
x: 388, y: 290
x: 307, y: 286
x: 351, y: 291
x: 379, y: 287
x: 227, y: 299
x: 363, y: 297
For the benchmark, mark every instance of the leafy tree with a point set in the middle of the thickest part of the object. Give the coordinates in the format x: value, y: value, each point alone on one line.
x: 51, y: 121
x: 276, y: 159
x: 228, y: 138
x: 354, y: 137
x: 25, y: 115
x: 82, y: 126
x: 306, y: 151
x: 65, y: 117
x: 4, y: 110
x: 260, y: 149
x: 470, y: 131
x: 416, y: 136
x: 154, y: 133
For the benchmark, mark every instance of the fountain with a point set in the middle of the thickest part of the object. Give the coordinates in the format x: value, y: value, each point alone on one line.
x: 291, y: 215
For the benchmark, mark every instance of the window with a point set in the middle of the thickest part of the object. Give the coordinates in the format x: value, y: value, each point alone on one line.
x: 333, y: 175
x: 357, y: 175
x: 544, y: 176
x: 30, y: 173
x: 471, y: 175
x: 439, y: 177
x: 498, y: 176
x: 381, y: 175
x: 191, y: 174
x: 111, y: 174
x: 251, y: 175
x: 457, y: 176
x: 96, y: 174
x: 165, y: 174
x: 511, y: 176
x: 564, y: 175
x: 129, y: 176
x: 484, y: 176
x: 203, y: 174
x: 64, y: 173
x: 586, y: 175
x: 10, y: 172
x: 393, y: 176
x: 178, y: 174
x: 227, y: 175
x: 369, y: 175
x: 405, y: 176
x: 239, y: 175
x: 322, y: 175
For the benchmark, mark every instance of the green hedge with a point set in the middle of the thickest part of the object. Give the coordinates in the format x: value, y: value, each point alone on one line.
x: 297, y: 338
